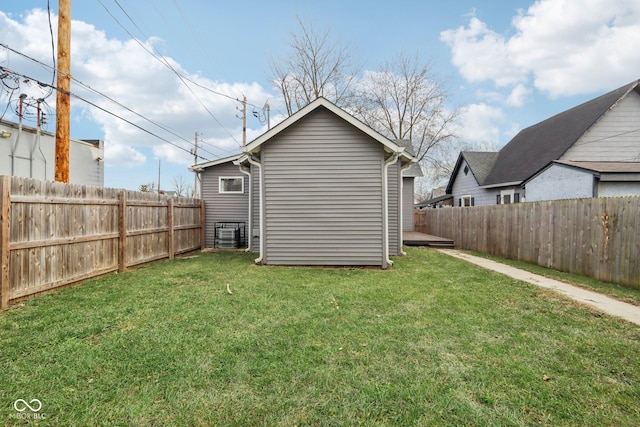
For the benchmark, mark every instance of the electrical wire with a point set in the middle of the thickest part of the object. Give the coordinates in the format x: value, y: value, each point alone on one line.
x: 163, y: 127
x: 208, y: 89
x: 53, y: 49
x: 166, y: 63
x: 6, y: 70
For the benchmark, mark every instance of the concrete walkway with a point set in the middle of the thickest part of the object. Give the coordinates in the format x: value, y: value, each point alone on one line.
x: 598, y: 301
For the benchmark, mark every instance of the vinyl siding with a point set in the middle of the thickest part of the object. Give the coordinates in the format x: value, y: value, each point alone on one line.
x: 323, y: 194
x: 393, y: 179
x: 222, y: 207
x: 612, y: 138
x: 618, y: 189
x: 255, y: 207
x: 407, y: 201
x: 465, y: 185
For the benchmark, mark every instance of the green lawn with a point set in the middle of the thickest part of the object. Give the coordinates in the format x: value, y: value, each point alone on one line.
x: 632, y: 296
x: 431, y: 341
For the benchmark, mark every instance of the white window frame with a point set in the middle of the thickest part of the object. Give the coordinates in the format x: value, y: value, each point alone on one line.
x: 511, y: 193
x: 221, y: 189
x: 465, y: 201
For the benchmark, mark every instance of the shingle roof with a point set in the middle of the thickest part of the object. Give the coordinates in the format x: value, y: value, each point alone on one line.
x: 534, y: 147
x: 480, y: 163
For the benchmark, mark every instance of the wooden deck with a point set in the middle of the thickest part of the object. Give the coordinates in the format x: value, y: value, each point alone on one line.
x: 415, y: 238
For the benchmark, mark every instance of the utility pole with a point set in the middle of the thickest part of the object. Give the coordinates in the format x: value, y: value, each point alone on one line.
x: 63, y: 82
x: 195, y: 162
x: 244, y: 120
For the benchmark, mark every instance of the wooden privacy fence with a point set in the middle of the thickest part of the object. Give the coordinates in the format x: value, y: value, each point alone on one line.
x: 54, y: 234
x: 598, y: 237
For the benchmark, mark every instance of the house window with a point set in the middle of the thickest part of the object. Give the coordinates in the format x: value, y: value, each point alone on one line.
x: 507, y: 197
x: 466, y: 169
x: 466, y: 201
x: 231, y: 185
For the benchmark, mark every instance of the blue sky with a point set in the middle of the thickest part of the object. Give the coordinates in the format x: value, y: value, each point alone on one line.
x: 509, y: 63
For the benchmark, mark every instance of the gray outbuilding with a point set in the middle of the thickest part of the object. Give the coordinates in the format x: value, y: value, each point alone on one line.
x: 320, y: 188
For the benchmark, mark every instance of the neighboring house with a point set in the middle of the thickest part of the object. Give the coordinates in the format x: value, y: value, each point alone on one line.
x: 470, y: 172
x: 570, y: 179
x: 27, y: 152
x: 446, y: 200
x: 320, y: 188
x: 593, y: 149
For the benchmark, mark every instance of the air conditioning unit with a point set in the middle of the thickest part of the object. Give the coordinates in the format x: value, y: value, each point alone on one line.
x: 227, y: 237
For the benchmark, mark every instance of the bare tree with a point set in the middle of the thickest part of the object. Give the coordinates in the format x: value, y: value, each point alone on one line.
x: 181, y: 187
x: 406, y: 100
x: 316, y: 66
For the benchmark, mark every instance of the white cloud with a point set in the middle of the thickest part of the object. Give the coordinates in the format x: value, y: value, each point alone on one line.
x: 123, y: 155
x: 124, y: 71
x: 479, y: 125
x: 561, y: 47
x: 518, y: 95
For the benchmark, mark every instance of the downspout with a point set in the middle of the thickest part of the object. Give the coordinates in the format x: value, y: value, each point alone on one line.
x: 249, y: 230
x: 385, y: 206
x: 261, y: 213
x: 401, y: 202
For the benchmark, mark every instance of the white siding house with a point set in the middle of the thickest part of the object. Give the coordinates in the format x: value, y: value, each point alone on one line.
x: 28, y: 153
x: 591, y: 150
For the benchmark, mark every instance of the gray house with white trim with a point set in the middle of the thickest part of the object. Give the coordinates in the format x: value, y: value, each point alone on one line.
x: 320, y: 188
x: 591, y: 150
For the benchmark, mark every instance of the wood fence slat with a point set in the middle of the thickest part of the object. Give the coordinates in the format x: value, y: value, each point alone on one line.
x: 122, y: 231
x: 5, y: 235
x: 597, y: 237
x: 55, y: 234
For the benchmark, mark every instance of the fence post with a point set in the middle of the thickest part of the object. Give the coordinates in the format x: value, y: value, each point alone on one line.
x: 171, y: 230
x: 122, y: 231
x: 5, y: 236
x: 202, y: 223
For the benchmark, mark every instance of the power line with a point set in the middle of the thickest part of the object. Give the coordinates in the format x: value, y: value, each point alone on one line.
x: 163, y: 61
x: 163, y: 127
x: 6, y: 70
x: 166, y: 63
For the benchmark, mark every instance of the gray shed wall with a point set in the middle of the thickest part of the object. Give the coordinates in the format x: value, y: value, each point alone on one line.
x: 223, y: 207
x: 407, y: 202
x: 395, y: 239
x: 323, y: 194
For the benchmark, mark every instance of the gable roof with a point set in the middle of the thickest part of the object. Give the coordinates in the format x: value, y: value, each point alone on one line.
x: 389, y: 145
x: 535, y: 147
x: 201, y: 166
x: 479, y: 162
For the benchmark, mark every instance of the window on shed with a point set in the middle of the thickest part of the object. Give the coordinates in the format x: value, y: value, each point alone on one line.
x: 231, y: 185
